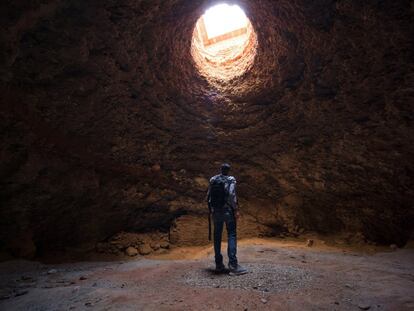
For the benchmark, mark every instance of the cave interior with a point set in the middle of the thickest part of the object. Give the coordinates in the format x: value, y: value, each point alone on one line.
x: 115, y: 114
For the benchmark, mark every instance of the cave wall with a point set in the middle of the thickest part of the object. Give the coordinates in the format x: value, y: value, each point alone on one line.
x: 106, y: 125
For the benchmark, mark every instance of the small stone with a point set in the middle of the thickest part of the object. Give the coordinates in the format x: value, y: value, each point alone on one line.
x: 131, y: 251
x: 393, y: 247
x: 164, y: 244
x: 155, y: 246
x: 263, y: 300
x: 21, y: 292
x: 364, y: 306
x: 144, y: 249
x: 161, y: 251
x: 52, y: 271
x: 309, y: 243
x: 4, y: 294
x: 156, y: 168
x: 26, y: 278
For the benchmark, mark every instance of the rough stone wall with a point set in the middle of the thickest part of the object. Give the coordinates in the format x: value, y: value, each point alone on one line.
x: 107, y: 126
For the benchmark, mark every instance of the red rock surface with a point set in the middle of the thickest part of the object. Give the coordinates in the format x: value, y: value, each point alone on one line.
x: 105, y: 123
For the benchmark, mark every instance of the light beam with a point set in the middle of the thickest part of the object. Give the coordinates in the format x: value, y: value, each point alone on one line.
x: 224, y: 18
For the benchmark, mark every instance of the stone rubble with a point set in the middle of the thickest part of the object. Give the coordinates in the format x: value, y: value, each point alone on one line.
x: 261, y: 277
x: 133, y: 244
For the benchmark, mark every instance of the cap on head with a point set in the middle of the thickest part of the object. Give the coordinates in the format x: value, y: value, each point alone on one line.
x: 225, y: 168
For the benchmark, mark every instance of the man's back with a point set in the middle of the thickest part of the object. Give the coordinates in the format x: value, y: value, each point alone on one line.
x: 230, y: 188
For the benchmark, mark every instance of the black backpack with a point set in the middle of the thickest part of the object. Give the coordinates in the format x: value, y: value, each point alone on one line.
x: 218, y: 193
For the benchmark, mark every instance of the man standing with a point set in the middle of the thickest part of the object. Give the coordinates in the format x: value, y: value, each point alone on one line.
x: 222, y: 202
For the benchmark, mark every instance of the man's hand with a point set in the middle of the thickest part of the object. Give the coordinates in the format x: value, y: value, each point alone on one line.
x: 237, y: 214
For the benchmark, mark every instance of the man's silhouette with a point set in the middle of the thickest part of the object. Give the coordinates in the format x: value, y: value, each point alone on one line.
x: 223, y: 205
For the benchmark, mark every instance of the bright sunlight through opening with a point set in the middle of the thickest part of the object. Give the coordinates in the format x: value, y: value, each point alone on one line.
x: 224, y: 43
x: 224, y: 18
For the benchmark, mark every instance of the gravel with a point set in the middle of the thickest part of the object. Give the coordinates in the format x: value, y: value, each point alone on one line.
x: 261, y: 277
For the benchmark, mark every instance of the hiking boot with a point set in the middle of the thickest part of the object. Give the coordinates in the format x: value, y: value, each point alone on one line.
x: 220, y: 268
x: 237, y: 270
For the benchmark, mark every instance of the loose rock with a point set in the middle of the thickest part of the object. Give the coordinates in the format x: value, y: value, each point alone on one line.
x: 393, y: 247
x: 144, y: 249
x: 26, y: 278
x: 364, y: 306
x: 21, y: 292
x: 155, y: 246
x: 131, y: 251
x: 164, y: 244
x: 262, y: 277
x: 4, y: 294
x: 156, y: 168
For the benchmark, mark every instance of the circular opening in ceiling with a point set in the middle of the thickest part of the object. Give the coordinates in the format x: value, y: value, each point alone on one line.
x: 224, y: 43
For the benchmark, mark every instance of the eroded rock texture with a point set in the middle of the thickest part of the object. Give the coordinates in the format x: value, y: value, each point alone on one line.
x: 107, y: 126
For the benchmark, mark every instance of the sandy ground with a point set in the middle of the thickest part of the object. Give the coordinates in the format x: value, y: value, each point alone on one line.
x: 284, y: 275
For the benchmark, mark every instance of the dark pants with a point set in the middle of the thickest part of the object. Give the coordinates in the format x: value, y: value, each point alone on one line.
x: 219, y: 219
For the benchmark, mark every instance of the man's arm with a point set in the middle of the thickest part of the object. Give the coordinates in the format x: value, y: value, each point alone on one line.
x: 208, y: 194
x: 208, y: 199
x: 233, y: 197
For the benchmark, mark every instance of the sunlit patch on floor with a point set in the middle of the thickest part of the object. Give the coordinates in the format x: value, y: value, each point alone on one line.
x: 261, y: 277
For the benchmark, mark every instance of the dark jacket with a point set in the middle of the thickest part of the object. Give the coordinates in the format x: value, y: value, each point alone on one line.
x: 230, y: 186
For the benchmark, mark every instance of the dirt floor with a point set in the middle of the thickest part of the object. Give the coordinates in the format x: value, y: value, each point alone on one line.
x: 284, y: 275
